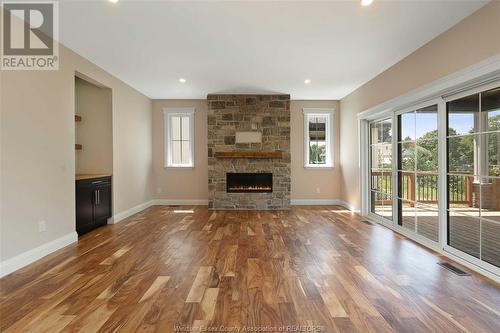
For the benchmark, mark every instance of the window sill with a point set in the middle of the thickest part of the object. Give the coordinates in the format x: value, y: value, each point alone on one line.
x: 319, y: 167
x: 179, y: 167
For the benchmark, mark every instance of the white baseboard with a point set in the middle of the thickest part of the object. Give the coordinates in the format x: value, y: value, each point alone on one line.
x: 129, y: 212
x: 155, y: 202
x: 350, y: 207
x: 322, y: 202
x: 181, y: 202
x: 10, y: 265
x: 293, y: 202
x: 13, y: 264
x: 201, y: 202
x: 314, y: 202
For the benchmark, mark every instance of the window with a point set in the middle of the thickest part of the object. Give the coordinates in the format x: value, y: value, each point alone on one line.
x: 418, y: 174
x: 179, y: 137
x: 318, y: 138
x: 380, y: 138
x: 473, y: 174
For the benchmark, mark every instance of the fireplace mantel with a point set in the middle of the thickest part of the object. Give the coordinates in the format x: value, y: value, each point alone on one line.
x: 249, y: 154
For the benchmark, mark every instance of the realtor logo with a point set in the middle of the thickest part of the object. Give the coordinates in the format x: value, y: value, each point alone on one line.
x: 28, y: 33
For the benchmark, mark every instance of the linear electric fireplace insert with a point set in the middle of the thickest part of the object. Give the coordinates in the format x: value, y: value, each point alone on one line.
x: 249, y: 182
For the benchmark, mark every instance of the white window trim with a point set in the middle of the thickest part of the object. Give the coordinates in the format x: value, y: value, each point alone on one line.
x: 330, y: 113
x: 168, y: 113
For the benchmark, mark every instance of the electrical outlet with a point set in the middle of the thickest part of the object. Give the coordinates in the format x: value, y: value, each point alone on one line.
x: 318, y: 190
x: 158, y: 190
x: 42, y: 226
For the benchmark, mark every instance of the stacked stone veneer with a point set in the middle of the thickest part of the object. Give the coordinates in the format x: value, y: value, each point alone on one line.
x: 268, y: 114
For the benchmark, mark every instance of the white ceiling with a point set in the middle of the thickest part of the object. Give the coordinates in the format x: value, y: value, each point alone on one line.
x: 253, y: 46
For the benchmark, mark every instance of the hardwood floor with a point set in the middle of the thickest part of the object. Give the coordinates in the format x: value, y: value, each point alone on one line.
x: 317, y: 267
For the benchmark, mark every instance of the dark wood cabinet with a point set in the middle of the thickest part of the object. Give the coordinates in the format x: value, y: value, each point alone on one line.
x: 84, y: 206
x: 93, y: 203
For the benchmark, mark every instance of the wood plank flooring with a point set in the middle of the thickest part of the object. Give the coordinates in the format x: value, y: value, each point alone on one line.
x: 171, y: 269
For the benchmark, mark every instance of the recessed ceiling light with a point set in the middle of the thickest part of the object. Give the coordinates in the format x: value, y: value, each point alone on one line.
x: 366, y: 3
x: 307, y: 81
x: 113, y: 1
x: 182, y: 80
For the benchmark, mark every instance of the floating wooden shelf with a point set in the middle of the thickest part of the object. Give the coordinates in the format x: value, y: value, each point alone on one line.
x: 78, y: 118
x: 249, y: 154
x: 78, y: 146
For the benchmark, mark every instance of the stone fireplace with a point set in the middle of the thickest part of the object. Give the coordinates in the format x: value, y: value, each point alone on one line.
x: 249, y: 151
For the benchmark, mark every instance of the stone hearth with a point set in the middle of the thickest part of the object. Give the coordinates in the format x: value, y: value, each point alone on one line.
x: 267, y: 114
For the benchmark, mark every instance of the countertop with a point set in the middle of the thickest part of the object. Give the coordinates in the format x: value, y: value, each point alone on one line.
x: 91, y: 176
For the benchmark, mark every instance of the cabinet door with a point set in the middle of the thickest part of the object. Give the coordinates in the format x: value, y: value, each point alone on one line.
x: 102, y: 206
x: 84, y: 206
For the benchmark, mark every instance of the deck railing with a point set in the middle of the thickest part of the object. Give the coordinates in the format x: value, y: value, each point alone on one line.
x: 422, y: 186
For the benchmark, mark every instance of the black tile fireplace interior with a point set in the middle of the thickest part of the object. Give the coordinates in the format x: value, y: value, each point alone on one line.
x: 249, y: 182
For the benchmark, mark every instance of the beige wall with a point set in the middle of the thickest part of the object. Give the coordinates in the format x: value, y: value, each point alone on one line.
x: 178, y: 183
x: 38, y: 156
x: 37, y: 136
x: 95, y: 131
x: 192, y: 184
x: 313, y: 183
x: 470, y: 41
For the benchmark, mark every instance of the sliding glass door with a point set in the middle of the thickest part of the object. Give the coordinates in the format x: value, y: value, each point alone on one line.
x: 473, y: 175
x: 444, y: 182
x: 418, y: 171
x: 380, y: 156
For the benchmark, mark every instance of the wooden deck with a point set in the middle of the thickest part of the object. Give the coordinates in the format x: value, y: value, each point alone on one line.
x: 186, y: 267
